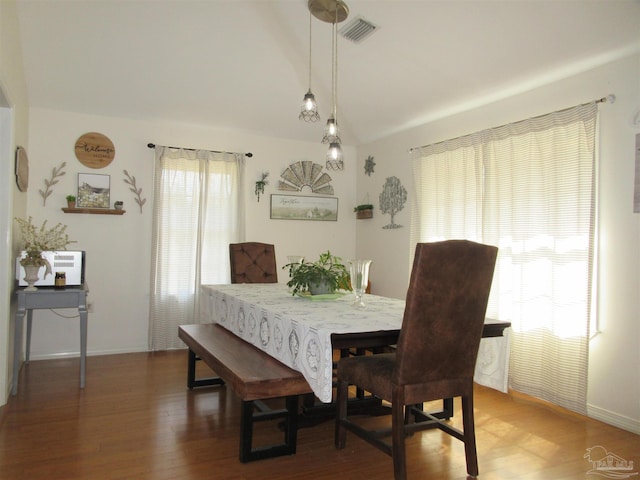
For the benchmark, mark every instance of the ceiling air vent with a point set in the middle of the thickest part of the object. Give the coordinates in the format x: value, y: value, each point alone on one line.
x: 357, y: 29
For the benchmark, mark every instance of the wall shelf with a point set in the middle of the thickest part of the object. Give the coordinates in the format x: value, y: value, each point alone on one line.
x: 95, y: 211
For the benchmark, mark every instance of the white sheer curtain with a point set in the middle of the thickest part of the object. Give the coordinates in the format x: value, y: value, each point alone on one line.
x: 198, y: 210
x: 528, y: 188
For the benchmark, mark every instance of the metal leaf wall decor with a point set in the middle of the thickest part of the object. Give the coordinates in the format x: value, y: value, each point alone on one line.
x: 56, y: 173
x: 131, y: 180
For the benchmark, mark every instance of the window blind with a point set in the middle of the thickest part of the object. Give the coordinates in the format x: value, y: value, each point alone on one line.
x: 528, y: 188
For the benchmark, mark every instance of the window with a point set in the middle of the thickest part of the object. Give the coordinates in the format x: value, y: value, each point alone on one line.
x: 197, y: 213
x: 527, y: 188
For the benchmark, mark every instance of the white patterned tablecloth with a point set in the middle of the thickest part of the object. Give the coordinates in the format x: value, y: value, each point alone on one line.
x: 297, y: 331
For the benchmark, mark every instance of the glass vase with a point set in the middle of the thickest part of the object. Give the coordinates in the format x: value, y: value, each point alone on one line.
x: 359, y: 274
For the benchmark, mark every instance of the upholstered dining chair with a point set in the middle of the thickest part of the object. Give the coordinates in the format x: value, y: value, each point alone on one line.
x: 436, y: 351
x: 253, y: 262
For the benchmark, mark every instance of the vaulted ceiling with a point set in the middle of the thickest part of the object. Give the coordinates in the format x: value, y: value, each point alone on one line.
x: 243, y: 64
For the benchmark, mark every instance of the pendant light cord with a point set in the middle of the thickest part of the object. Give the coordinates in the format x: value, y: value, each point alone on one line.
x: 334, y: 52
x: 310, y: 24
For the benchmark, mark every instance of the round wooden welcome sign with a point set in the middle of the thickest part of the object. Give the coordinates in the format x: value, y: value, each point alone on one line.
x: 94, y: 150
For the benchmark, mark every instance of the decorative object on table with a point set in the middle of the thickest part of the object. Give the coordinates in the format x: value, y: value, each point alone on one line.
x: 324, y: 276
x: 37, y: 241
x: 392, y: 200
x: 93, y: 190
x: 61, y: 280
x: 94, y: 150
x: 359, y: 276
x: 131, y: 180
x: 295, y: 259
x: 22, y: 169
x: 364, y: 211
x: 71, y: 201
x: 118, y: 205
x: 297, y: 207
x: 369, y: 165
x: 305, y: 174
x: 260, y: 184
x: 56, y: 173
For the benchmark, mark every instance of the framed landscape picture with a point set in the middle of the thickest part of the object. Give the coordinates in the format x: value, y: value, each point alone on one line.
x: 299, y: 207
x: 93, y: 190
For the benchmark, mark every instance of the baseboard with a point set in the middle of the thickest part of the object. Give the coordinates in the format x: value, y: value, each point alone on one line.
x: 93, y: 353
x: 615, y: 419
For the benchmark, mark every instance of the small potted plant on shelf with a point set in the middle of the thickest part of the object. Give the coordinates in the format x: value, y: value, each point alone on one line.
x: 364, y: 211
x: 325, y: 275
x: 71, y: 201
x: 118, y: 205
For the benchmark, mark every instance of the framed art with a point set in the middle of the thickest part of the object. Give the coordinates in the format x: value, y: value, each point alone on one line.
x: 299, y: 207
x: 93, y: 190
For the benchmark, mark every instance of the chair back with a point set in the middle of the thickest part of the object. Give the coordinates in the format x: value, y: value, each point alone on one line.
x: 253, y: 262
x: 444, y: 312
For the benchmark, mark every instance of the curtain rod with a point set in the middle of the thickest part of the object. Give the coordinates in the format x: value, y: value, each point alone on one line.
x: 153, y: 145
x: 611, y: 98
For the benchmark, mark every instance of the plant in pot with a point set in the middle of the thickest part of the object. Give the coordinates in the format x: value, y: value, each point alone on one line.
x: 71, y: 201
x: 325, y: 275
x: 364, y: 211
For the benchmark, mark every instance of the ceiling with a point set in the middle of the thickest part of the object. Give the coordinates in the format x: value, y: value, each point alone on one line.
x: 243, y: 64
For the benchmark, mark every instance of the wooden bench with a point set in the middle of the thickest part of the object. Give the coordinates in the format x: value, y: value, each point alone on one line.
x: 254, y: 376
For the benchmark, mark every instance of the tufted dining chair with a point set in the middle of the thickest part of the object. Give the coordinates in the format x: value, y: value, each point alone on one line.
x: 436, y: 350
x: 253, y: 262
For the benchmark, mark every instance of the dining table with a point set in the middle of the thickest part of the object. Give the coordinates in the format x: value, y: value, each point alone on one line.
x: 304, y: 331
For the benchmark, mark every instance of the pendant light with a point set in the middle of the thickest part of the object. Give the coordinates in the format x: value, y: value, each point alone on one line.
x: 309, y: 110
x: 334, y: 12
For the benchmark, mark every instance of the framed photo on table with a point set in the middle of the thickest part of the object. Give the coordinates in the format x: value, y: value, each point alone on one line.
x: 299, y: 207
x: 93, y: 190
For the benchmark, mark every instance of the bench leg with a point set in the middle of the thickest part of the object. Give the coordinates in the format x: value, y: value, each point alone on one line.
x: 249, y: 416
x: 191, y: 374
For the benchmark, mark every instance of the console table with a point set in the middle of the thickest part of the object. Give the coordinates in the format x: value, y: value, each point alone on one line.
x: 46, y: 297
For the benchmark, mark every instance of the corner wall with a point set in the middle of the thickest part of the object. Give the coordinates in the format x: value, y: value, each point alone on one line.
x: 118, y: 248
x: 614, y: 361
x: 14, y: 130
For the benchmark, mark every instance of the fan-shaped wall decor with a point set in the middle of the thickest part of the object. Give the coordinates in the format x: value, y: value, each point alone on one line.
x: 305, y: 174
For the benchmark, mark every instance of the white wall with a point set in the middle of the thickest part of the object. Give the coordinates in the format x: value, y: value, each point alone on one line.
x: 614, y: 361
x: 13, y: 132
x: 118, y: 247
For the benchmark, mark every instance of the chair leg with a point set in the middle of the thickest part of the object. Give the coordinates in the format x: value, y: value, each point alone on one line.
x: 468, y: 425
x: 341, y: 413
x: 398, y: 434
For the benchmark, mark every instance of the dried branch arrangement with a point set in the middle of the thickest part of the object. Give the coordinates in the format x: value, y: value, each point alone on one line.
x: 131, y: 180
x: 55, y: 175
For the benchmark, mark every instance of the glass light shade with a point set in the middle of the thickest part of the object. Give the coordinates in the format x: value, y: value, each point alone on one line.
x: 331, y: 131
x: 309, y: 111
x: 335, y: 159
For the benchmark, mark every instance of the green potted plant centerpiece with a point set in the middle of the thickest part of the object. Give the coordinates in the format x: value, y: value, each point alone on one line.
x: 325, y: 275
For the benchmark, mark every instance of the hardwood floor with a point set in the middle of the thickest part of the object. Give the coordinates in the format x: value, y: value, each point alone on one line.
x: 137, y: 420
